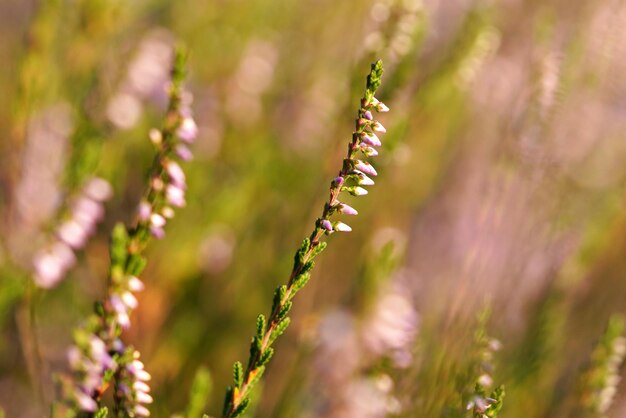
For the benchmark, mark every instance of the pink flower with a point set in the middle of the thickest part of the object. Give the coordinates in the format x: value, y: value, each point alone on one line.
x: 366, y: 168
x: 347, y: 210
x: 370, y: 139
x: 188, y: 130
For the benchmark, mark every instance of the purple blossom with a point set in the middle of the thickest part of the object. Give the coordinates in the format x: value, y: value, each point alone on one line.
x: 157, y: 220
x: 73, y: 234
x: 370, y: 139
x: 175, y: 195
x: 144, y: 211
x: 325, y: 224
x: 368, y: 115
x: 157, y: 232
x: 338, y: 181
x: 85, y: 402
x: 380, y: 106
x: 176, y: 174
x: 188, y: 130
x: 98, y: 189
x: 135, y: 285
x: 378, y: 127
x: 183, y: 152
x: 365, y: 167
x: 347, y: 210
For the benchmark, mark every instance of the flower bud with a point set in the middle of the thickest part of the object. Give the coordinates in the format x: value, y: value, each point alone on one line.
x: 176, y: 174
x: 378, y: 127
x: 183, y: 152
x: 365, y: 167
x: 347, y: 210
x: 370, y: 139
x: 369, y: 151
x: 325, y: 224
x: 341, y: 227
x: 175, y: 196
x: 135, y: 285
x: 380, y: 106
x: 157, y: 220
x: 188, y: 130
x: 155, y: 136
x: 338, y: 181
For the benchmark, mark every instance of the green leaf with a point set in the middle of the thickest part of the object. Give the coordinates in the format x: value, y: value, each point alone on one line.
x: 241, y: 408
x: 260, y: 326
x: 374, y: 78
x: 308, y: 267
x: 284, y: 311
x: 119, y: 243
x: 102, y: 413
x: 278, y: 331
x: 135, y: 264
x: 228, y: 399
x: 279, y: 295
x: 303, y: 250
x: 318, y: 249
x: 238, y: 374
x: 301, y: 281
x: 266, y: 356
x: 199, y: 394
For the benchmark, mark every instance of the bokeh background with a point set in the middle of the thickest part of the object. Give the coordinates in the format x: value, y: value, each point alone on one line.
x: 501, y: 183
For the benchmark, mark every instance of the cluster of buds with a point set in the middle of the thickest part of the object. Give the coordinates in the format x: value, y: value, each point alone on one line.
x: 356, y: 173
x: 89, y: 359
x: 52, y: 263
x: 132, y: 388
x: 485, y: 402
x: 166, y: 190
x: 353, y: 175
x: 168, y: 183
x: 600, y: 379
x: 122, y: 301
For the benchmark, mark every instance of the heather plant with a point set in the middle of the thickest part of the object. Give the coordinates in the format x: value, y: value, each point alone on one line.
x: 598, y: 382
x: 504, y: 180
x: 353, y: 175
x: 100, y: 358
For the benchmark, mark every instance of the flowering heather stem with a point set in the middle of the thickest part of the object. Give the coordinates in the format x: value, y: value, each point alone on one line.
x: 99, y: 355
x: 353, y: 174
x: 598, y: 383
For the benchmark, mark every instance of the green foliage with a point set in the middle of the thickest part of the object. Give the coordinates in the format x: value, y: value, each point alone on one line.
x: 102, y: 413
x: 119, y: 244
x: 238, y: 374
x: 200, y: 391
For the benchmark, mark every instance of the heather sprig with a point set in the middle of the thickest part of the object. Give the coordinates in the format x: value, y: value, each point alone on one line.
x: 598, y: 383
x: 51, y: 263
x: 99, y: 356
x: 354, y: 174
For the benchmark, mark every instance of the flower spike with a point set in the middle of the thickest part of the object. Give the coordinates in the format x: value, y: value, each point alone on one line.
x: 353, y: 171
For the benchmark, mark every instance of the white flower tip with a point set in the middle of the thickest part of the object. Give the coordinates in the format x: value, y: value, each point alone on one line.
x: 155, y: 136
x: 135, y: 285
x: 348, y: 210
x: 378, y: 127
x: 157, y: 220
x: 341, y: 227
x: 360, y: 191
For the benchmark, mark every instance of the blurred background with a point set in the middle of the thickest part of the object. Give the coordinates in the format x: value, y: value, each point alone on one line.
x: 501, y: 183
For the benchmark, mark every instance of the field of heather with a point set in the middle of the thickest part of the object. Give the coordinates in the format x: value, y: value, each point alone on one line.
x: 312, y: 209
